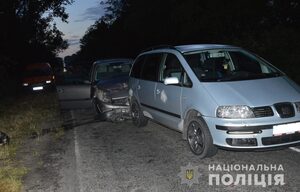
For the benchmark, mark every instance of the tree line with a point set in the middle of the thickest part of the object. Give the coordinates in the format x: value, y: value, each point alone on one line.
x: 28, y: 34
x: 28, y: 31
x: 270, y: 28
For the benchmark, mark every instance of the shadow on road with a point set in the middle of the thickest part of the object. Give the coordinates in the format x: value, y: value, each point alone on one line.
x: 87, y: 116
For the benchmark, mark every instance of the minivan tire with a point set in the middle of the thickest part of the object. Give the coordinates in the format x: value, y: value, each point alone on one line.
x: 138, y: 118
x: 199, y: 138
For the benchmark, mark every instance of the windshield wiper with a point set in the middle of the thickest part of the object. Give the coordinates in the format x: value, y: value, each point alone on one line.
x: 235, y: 76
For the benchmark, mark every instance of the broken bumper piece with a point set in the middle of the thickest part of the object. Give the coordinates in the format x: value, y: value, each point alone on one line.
x: 115, y: 113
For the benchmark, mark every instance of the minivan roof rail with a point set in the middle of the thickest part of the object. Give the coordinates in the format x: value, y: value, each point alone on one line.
x: 159, y: 47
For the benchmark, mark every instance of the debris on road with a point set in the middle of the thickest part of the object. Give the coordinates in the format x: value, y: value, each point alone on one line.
x: 4, y: 138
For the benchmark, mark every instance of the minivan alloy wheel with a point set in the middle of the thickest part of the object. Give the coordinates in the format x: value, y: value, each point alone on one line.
x: 199, y: 138
x: 195, y: 137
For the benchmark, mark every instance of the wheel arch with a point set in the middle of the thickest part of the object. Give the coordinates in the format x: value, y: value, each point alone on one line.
x: 187, y: 116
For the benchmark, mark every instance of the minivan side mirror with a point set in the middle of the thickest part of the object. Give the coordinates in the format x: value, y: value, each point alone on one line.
x: 171, y: 81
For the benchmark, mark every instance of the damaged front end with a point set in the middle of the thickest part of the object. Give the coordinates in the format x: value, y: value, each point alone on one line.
x: 112, y: 102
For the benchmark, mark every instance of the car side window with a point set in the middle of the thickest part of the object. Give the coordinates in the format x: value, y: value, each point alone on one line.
x: 137, y: 66
x: 150, y: 67
x: 172, y: 68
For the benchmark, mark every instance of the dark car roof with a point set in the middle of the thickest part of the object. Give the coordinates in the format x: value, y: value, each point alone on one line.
x: 37, y: 66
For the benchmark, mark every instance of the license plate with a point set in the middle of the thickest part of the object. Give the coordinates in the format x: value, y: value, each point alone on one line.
x: 38, y: 88
x: 286, y: 128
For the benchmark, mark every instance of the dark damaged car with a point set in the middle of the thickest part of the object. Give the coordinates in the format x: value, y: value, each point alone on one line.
x: 109, y: 88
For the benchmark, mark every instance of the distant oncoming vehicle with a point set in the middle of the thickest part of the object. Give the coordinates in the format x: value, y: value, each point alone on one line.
x: 216, y: 95
x: 109, y: 88
x: 38, y: 76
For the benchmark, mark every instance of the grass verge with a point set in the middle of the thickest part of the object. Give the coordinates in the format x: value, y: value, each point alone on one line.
x: 21, y: 118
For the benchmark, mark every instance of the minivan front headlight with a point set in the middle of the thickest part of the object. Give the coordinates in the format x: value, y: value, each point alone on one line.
x: 298, y: 106
x: 235, y: 112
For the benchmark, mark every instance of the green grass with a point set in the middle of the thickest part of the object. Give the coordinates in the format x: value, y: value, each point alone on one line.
x: 20, y: 118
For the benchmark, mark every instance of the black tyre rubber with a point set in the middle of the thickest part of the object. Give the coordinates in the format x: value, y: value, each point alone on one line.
x: 199, y: 138
x: 138, y: 118
x: 99, y: 116
x: 96, y: 108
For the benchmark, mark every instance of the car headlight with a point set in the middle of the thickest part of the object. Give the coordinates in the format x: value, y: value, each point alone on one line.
x: 235, y: 112
x: 298, y: 106
x: 25, y: 84
x: 104, y: 96
x: 48, y: 81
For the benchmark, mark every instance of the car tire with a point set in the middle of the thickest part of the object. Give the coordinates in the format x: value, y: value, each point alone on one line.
x: 99, y: 116
x: 97, y: 110
x: 199, y: 138
x: 138, y: 118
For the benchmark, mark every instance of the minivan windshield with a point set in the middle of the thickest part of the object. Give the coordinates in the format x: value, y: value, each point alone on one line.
x: 229, y: 65
x: 112, y: 70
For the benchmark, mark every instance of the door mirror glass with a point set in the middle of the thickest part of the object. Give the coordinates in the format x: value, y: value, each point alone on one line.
x: 171, y: 81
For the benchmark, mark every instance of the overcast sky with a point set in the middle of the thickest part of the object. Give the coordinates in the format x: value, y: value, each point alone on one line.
x: 82, y: 14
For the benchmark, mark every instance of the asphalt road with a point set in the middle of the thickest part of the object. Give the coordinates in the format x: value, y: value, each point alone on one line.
x: 97, y: 156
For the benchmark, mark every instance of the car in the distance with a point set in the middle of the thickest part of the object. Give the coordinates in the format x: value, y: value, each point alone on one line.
x: 109, y: 88
x: 217, y: 96
x: 38, y: 76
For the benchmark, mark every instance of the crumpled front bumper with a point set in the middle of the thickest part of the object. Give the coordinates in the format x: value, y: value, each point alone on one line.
x: 114, y: 113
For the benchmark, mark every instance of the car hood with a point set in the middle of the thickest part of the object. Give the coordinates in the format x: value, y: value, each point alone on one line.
x: 260, y: 92
x: 117, y: 87
x: 37, y: 79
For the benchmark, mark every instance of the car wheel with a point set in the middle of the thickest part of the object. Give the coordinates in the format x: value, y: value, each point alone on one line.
x: 200, y: 139
x: 97, y: 110
x: 138, y: 117
x: 98, y: 114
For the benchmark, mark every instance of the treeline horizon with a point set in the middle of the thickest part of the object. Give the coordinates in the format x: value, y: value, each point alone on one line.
x: 269, y: 28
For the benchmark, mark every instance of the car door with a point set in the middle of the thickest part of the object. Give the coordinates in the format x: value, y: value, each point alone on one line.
x: 74, y: 92
x: 168, y: 97
x: 148, y: 80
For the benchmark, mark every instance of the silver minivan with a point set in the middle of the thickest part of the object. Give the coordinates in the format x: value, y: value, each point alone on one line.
x: 217, y: 96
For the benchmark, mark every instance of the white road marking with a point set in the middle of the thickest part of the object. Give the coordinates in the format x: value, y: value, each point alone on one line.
x: 77, y: 155
x: 295, y: 149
